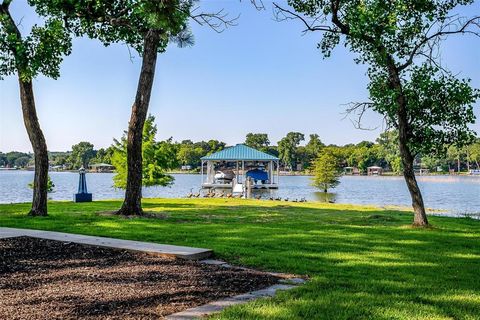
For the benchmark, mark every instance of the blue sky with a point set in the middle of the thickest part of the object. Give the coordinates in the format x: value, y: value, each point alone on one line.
x: 260, y: 76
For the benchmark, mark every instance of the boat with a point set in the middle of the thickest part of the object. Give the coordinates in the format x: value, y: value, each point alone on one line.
x: 258, y: 175
x: 224, y: 175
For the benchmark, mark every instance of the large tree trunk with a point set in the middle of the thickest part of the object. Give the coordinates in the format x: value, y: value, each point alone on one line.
x: 40, y: 182
x: 132, y: 204
x: 420, y: 216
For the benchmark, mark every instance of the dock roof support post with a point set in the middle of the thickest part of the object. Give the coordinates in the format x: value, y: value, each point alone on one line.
x: 236, y: 175
x: 201, y: 170
x: 243, y: 171
x: 278, y: 172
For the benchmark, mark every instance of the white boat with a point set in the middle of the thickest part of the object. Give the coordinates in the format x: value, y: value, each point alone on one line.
x: 227, y: 175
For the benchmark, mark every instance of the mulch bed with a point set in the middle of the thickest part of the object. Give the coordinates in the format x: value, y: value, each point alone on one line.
x: 44, y: 279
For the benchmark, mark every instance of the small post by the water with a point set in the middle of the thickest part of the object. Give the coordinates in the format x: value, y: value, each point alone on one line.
x: 248, y: 184
x: 82, y: 195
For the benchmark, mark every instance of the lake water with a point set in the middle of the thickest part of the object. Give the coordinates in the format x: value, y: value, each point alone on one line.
x: 455, y: 194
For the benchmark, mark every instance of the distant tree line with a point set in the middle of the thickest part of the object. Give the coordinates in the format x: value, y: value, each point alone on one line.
x: 384, y: 152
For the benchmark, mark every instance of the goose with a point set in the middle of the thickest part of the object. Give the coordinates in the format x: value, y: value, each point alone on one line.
x: 190, y: 194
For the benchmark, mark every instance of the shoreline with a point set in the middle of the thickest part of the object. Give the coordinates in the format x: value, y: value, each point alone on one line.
x: 282, y: 174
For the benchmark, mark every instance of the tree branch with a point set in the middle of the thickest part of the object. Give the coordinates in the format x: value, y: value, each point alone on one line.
x: 358, y: 110
x: 217, y: 21
x: 444, y: 30
x: 282, y: 14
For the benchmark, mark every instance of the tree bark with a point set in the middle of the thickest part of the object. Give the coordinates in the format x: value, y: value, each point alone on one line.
x: 132, y: 204
x: 420, y: 216
x: 37, y: 139
x: 35, y: 134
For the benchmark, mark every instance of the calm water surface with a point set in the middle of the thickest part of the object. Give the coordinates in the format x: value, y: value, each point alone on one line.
x: 455, y: 194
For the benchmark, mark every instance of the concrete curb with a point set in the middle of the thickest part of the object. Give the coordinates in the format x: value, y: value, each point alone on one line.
x: 287, y: 283
x: 164, y: 249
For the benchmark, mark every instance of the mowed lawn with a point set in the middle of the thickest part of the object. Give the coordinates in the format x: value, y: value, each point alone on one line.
x: 362, y: 262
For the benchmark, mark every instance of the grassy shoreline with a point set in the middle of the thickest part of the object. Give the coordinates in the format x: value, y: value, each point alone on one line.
x: 363, y: 262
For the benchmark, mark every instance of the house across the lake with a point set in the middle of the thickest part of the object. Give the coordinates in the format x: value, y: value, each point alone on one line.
x: 101, y: 167
x: 231, y: 167
x: 374, y: 171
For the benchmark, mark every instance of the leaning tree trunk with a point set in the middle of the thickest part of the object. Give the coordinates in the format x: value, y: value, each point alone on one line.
x: 132, y: 204
x: 40, y: 182
x: 420, y: 216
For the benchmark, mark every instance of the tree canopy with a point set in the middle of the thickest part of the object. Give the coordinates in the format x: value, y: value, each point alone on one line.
x: 257, y: 141
x: 82, y: 153
x: 287, y: 148
x: 158, y: 157
x: 399, y: 41
x: 326, y: 172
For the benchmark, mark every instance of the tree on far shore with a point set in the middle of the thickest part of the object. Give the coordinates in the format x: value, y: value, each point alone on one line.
x: 287, y: 148
x: 82, y: 153
x: 257, y: 141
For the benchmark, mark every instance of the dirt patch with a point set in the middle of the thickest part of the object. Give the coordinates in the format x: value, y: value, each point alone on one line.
x: 161, y: 215
x: 45, y: 279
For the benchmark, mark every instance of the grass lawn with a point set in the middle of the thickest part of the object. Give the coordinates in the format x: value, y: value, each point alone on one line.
x: 363, y: 262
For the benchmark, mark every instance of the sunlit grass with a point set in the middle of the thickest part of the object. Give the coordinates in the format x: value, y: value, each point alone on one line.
x: 362, y: 262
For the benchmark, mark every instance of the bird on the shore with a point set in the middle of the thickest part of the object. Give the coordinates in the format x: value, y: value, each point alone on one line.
x: 286, y: 199
x: 229, y: 195
x: 258, y: 197
x: 190, y: 194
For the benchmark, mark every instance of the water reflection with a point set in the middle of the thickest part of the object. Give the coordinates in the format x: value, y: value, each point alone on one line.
x: 459, y: 194
x: 325, y: 197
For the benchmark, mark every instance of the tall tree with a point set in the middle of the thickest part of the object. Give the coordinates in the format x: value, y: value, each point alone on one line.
x: 148, y: 26
x: 257, y: 141
x: 313, y: 147
x: 287, y: 148
x: 399, y: 40
x: 27, y: 56
x: 82, y: 153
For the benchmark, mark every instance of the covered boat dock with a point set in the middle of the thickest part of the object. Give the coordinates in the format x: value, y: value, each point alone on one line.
x: 230, y: 168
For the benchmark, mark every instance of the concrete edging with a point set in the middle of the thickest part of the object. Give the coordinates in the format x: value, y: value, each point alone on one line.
x: 164, y: 249
x: 217, y: 306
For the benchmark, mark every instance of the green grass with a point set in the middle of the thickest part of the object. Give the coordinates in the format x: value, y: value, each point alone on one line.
x: 363, y: 262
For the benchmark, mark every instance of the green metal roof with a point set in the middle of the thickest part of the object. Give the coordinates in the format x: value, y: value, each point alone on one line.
x: 240, y: 152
